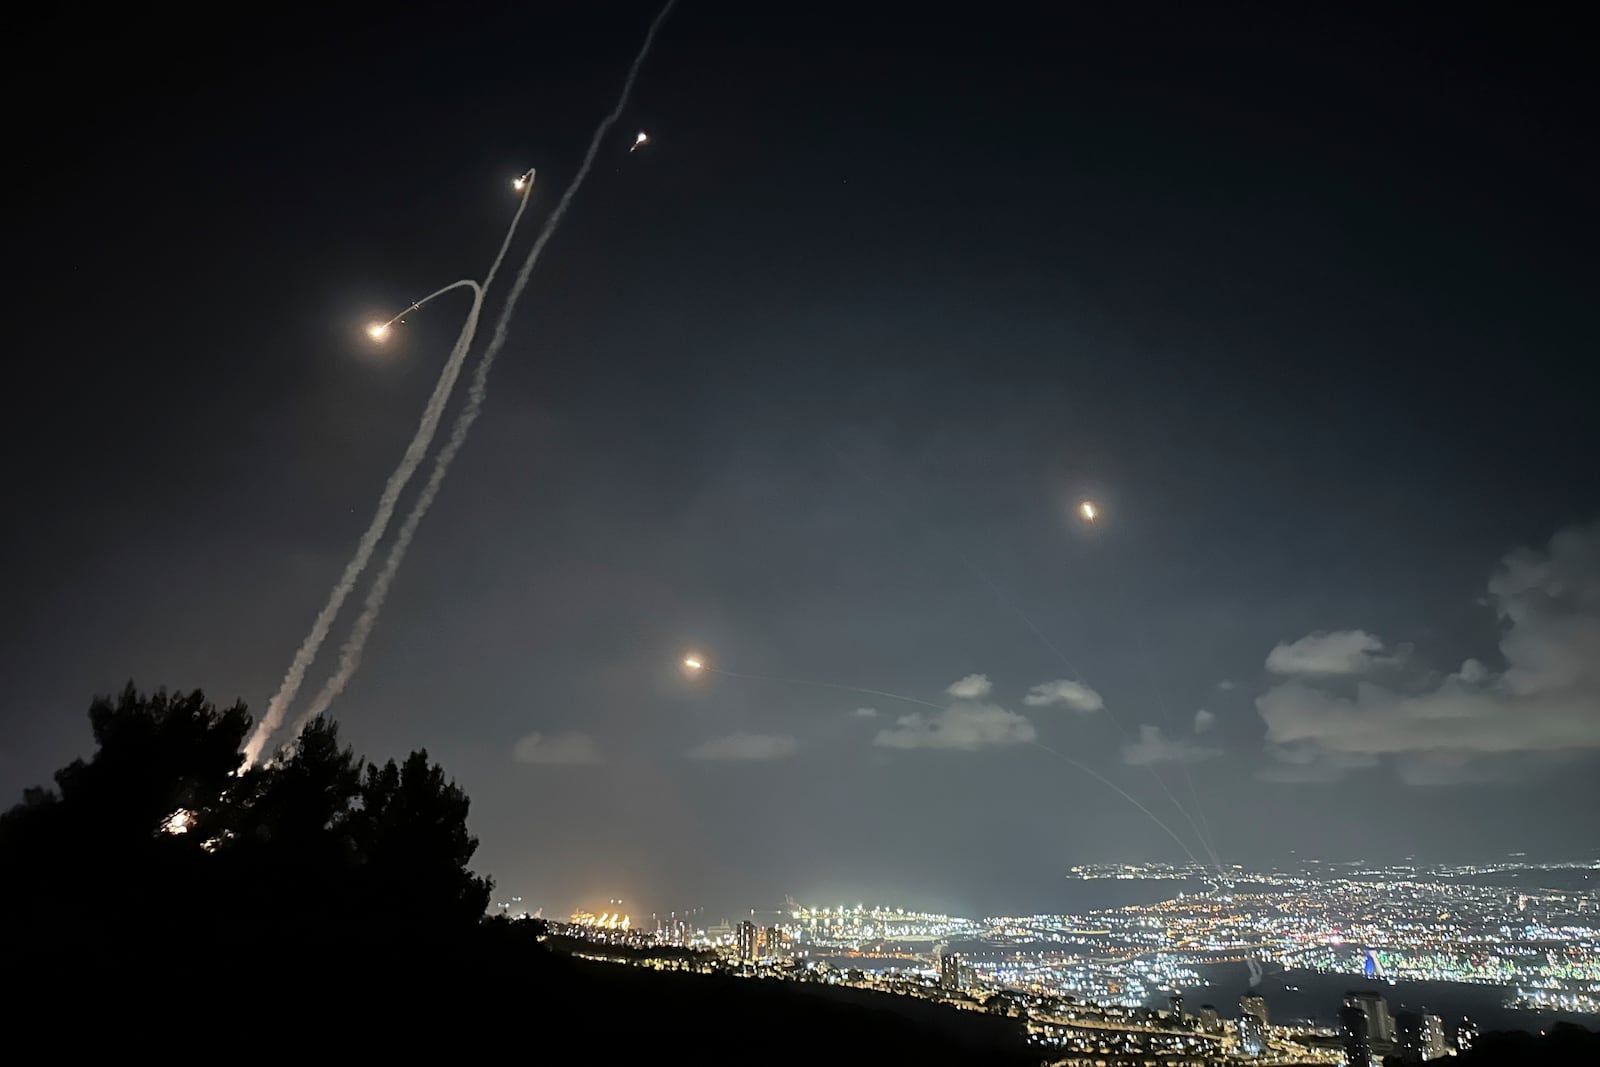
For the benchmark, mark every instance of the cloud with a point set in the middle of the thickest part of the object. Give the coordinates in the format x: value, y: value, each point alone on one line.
x: 1225, y: 685
x: 966, y: 727
x: 1154, y: 746
x: 866, y: 713
x: 1338, y: 652
x: 569, y: 748
x: 1074, y: 695
x: 1203, y: 721
x: 748, y: 747
x: 972, y: 687
x: 1476, y: 723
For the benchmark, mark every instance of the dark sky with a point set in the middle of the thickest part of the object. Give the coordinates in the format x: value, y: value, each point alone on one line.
x: 812, y: 384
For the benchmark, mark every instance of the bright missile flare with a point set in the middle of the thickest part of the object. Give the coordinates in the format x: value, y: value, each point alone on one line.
x: 693, y: 664
x: 1088, y: 510
x: 638, y: 139
x: 378, y: 331
x: 519, y: 183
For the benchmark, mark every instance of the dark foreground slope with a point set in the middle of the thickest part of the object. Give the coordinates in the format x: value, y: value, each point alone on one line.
x: 499, y: 994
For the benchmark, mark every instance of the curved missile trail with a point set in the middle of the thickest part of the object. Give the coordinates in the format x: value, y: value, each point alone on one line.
x: 350, y: 654
x: 278, y: 707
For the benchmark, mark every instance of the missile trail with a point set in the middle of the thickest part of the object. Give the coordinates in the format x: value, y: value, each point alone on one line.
x: 278, y: 707
x: 350, y: 654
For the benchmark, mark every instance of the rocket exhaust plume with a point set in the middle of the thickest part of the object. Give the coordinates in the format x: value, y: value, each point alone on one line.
x: 350, y: 654
x: 278, y: 707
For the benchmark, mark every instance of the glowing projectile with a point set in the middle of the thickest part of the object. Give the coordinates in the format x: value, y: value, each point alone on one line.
x: 1088, y: 510
x: 638, y: 139
x: 523, y: 180
x: 693, y: 664
x: 378, y: 331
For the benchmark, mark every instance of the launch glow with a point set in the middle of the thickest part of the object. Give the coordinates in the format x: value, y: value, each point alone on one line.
x: 693, y: 664
x: 378, y: 331
x: 1088, y: 510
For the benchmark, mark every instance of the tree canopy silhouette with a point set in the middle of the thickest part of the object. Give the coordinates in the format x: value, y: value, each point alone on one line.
x: 163, y: 833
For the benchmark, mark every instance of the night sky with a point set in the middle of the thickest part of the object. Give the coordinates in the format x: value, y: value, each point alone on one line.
x: 812, y: 384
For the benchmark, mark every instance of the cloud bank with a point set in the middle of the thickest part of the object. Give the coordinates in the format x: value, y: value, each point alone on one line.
x: 972, y: 687
x: 1154, y: 746
x: 1063, y: 691
x: 1471, y: 724
x: 1325, y: 653
x: 966, y: 727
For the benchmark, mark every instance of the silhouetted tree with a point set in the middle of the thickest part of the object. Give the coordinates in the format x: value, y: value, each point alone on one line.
x: 163, y: 834
x: 412, y: 830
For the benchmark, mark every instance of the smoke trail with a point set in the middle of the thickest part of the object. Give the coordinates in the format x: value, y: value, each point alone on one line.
x: 1086, y: 769
x: 431, y: 414
x: 350, y: 654
x: 1202, y: 828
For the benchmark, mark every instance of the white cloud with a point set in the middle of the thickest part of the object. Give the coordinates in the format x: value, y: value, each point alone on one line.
x: 1203, y: 721
x: 748, y: 747
x: 972, y: 687
x: 569, y: 748
x: 1471, y: 724
x: 961, y: 726
x: 1225, y: 685
x: 1074, y: 695
x: 1338, y: 652
x: 1154, y: 746
x: 866, y: 713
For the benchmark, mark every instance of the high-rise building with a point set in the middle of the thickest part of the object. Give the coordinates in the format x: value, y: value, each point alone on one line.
x: 768, y: 943
x: 1252, y: 1034
x: 1176, y: 1003
x: 1433, y: 1046
x: 1408, y: 1035
x: 1419, y: 1037
x: 745, y: 940
x: 1253, y: 1005
x: 1355, y: 1036
x: 1466, y: 1034
x: 949, y: 969
x: 1380, y: 1024
x: 1209, y: 1017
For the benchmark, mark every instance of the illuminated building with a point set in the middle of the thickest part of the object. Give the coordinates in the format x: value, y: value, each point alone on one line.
x: 949, y: 969
x: 1355, y: 1036
x: 1380, y: 1024
x: 1256, y: 1006
x: 1466, y: 1034
x: 768, y: 943
x: 745, y: 940
x: 1419, y: 1036
x: 1252, y: 1034
x: 1176, y: 1001
x: 1209, y: 1018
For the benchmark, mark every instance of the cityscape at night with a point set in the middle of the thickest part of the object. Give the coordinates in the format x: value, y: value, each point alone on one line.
x: 696, y: 531
x: 1136, y: 980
